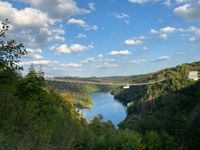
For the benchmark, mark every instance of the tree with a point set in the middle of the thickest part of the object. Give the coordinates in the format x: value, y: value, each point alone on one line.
x: 10, y: 50
x: 153, y: 141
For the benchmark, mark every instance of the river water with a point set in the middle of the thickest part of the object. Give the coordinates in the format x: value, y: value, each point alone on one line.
x: 107, y: 106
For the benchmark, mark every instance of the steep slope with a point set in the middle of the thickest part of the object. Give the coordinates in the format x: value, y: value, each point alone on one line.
x: 171, y: 106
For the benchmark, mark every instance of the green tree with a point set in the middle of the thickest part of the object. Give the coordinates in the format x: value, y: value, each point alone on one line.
x: 153, y: 141
x: 10, y: 50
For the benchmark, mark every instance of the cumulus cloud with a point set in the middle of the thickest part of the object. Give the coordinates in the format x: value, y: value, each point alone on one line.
x: 58, y: 9
x: 189, y: 11
x: 141, y: 1
x: 88, y: 60
x: 34, y: 53
x: 35, y: 56
x: 120, y: 52
x: 168, y: 30
x: 25, y: 17
x: 167, y: 3
x: 82, y: 23
x: 78, y: 22
x: 135, y: 41
x: 38, y: 50
x: 162, y: 58
x: 164, y: 32
x: 91, y: 27
x: 65, y: 49
x: 193, y: 32
x: 31, y: 26
x: 71, y: 65
x: 139, y: 61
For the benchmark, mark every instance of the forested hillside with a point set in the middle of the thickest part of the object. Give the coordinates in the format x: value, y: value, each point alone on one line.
x: 79, y: 91
x: 172, y: 106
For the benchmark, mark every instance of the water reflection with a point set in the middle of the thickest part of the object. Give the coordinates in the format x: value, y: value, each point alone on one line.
x: 107, y: 106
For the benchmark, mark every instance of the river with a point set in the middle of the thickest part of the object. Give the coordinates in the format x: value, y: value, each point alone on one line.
x: 107, y: 106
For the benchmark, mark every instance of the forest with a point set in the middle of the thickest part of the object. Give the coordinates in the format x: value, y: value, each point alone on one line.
x: 35, y: 116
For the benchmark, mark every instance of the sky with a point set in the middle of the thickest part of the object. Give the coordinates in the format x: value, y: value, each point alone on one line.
x: 104, y: 37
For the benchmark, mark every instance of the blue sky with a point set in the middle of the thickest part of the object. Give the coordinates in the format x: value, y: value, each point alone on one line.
x: 104, y: 37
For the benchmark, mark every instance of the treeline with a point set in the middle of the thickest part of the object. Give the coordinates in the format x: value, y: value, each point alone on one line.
x: 171, y: 106
x: 79, y: 91
x: 34, y: 116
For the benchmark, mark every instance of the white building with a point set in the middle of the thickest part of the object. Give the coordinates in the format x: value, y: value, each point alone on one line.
x: 126, y: 86
x: 193, y: 75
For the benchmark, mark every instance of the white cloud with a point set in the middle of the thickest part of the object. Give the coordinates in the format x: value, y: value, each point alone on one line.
x: 193, y: 32
x: 189, y: 11
x: 162, y: 58
x: 56, y: 38
x: 91, y: 27
x: 75, y: 48
x: 33, y: 53
x: 36, y: 62
x: 167, y: 3
x: 122, y: 16
x: 181, y: 1
x: 120, y: 52
x: 107, y: 60
x: 135, y: 41
x: 71, y: 65
x: 25, y: 17
x: 81, y: 36
x: 168, y: 29
x: 164, y: 32
x: 164, y: 36
x: 153, y: 31
x: 88, y: 60
x: 82, y: 24
x: 31, y: 26
x: 91, y: 6
x: 29, y: 50
x: 35, y: 56
x: 58, y: 9
x: 78, y: 22
x: 141, y: 1
x: 139, y: 61
x: 107, y: 65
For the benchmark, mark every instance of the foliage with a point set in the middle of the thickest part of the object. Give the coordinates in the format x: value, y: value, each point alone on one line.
x: 171, y: 106
x: 10, y: 50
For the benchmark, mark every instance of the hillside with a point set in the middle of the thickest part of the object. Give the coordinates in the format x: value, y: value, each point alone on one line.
x: 79, y: 91
x: 171, y: 106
